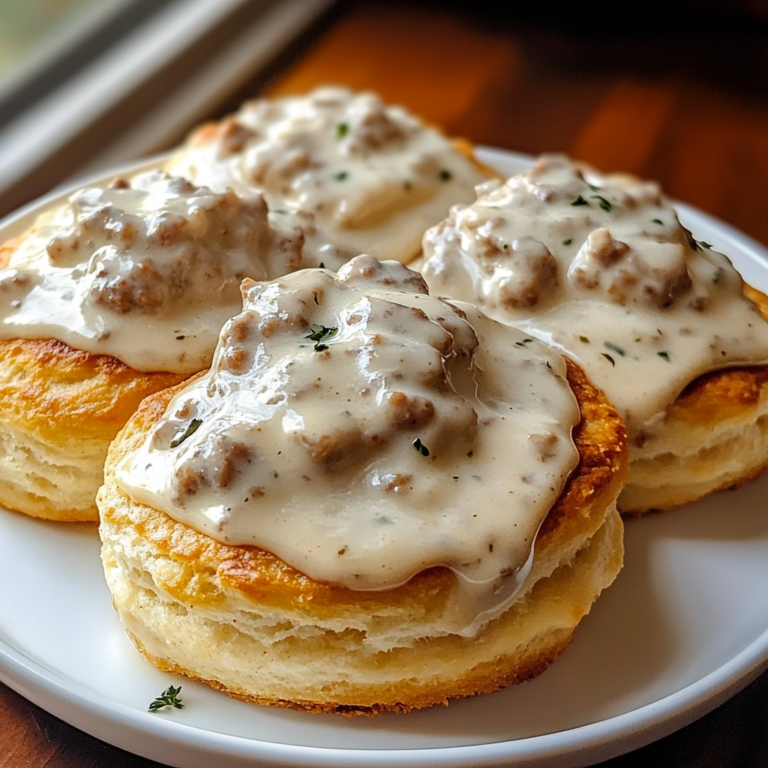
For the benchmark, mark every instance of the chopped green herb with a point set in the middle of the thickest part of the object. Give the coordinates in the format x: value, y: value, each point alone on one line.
x: 614, y: 348
x: 316, y: 301
x: 568, y: 241
x: 505, y: 246
x: 341, y: 176
x: 420, y: 447
x: 583, y: 339
x: 604, y: 204
x: 692, y: 242
x: 580, y: 201
x: 608, y: 358
x: 548, y: 365
x: 319, y: 334
x: 445, y: 175
x: 704, y: 244
x: 657, y: 221
x: 168, y: 698
x: 321, y: 265
x: 523, y: 342
x: 663, y: 355
x: 593, y: 187
x: 279, y: 210
x: 192, y: 427
x: 341, y: 130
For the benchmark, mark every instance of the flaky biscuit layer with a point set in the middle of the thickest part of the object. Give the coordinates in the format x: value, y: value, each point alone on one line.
x: 59, y: 410
x: 714, y: 436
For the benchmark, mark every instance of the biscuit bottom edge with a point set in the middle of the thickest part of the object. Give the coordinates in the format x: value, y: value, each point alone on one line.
x: 314, y: 669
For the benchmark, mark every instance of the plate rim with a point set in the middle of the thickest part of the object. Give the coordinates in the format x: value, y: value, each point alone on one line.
x: 190, y: 746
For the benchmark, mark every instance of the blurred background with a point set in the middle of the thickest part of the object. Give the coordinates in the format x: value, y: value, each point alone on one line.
x: 673, y: 90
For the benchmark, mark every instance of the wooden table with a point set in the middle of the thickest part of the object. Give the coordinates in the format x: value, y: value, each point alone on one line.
x: 687, y: 106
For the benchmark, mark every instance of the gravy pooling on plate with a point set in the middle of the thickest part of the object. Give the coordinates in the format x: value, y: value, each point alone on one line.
x: 364, y: 431
x: 602, y: 269
x: 374, y: 176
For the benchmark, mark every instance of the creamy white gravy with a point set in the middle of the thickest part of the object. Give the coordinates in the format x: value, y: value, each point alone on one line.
x: 148, y: 272
x: 374, y: 176
x: 364, y: 431
x: 602, y: 269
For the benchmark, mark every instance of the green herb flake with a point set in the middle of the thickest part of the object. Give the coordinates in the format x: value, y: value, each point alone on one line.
x: 614, y: 348
x: 657, y: 221
x: 321, y: 265
x: 548, y: 365
x: 505, y: 246
x: 608, y: 358
x: 341, y: 130
x: 568, y: 241
x: 445, y: 175
x: 580, y: 201
x: 523, y: 343
x: 320, y: 334
x: 583, y: 339
x: 192, y: 427
x: 604, y: 204
x: 704, y: 244
x: 663, y: 355
x: 341, y: 176
x: 168, y: 698
x: 593, y: 187
x: 420, y: 447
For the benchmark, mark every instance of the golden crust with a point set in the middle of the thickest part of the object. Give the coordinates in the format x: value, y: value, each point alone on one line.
x: 58, y: 400
x: 714, y: 436
x: 200, y: 576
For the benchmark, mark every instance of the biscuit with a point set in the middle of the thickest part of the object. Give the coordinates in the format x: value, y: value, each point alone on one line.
x: 116, y: 294
x: 372, y: 176
x: 244, y: 621
x: 61, y: 409
x: 601, y: 267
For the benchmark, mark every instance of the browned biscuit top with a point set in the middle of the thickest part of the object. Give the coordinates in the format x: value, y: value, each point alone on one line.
x: 56, y: 389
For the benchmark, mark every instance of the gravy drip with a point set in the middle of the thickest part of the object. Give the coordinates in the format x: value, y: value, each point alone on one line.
x: 602, y: 269
x: 363, y: 431
x: 374, y: 176
x: 147, y: 272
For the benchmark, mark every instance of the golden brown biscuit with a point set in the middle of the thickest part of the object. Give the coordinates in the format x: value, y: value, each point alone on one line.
x: 243, y: 621
x: 60, y: 410
x: 373, y: 176
x: 131, y: 279
x: 715, y: 436
x: 600, y: 266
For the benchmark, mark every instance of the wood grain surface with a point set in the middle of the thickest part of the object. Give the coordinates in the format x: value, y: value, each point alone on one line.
x: 677, y: 92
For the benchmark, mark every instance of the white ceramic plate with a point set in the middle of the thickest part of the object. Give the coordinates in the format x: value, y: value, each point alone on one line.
x: 684, y: 627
